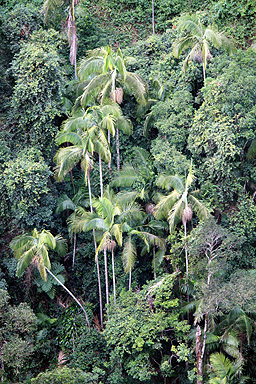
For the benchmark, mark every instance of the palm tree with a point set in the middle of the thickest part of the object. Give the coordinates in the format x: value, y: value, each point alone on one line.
x: 103, y: 220
x: 84, y: 143
x: 104, y: 74
x: 48, y: 7
x: 179, y: 204
x: 33, y: 249
x: 199, y: 38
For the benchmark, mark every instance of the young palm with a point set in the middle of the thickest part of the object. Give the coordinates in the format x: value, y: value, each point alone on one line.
x: 33, y: 249
x: 200, y: 39
x: 104, y: 74
x: 179, y: 205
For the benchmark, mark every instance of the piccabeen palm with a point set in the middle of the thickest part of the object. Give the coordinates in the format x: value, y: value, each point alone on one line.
x: 33, y: 249
x: 200, y: 39
x: 179, y: 205
x: 104, y: 75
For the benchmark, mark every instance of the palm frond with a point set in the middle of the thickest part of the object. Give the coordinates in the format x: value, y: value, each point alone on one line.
x: 116, y: 230
x: 24, y: 260
x: 197, y: 206
x: 182, y: 44
x: 126, y: 177
x: 93, y: 89
x: 90, y: 66
x: 61, y: 245
x: 189, y: 24
x: 125, y: 125
x: 120, y: 65
x: 170, y: 182
x: 66, y: 159
x: 222, y: 366
x: 47, y: 238
x: 48, y: 7
x: 166, y: 203
x: 129, y: 254
x: 176, y: 213
x: 136, y: 86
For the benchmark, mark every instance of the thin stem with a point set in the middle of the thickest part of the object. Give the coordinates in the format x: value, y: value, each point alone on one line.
x: 130, y: 278
x: 106, y: 275
x: 74, y: 252
x: 114, y: 278
x: 117, y: 150
x: 73, y: 297
x: 101, y: 181
x: 153, y: 17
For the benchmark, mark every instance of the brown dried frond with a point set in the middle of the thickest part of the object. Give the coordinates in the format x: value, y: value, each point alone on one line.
x: 150, y: 208
x: 96, y: 322
x: 62, y: 359
x: 118, y: 96
x: 187, y: 214
x: 111, y: 244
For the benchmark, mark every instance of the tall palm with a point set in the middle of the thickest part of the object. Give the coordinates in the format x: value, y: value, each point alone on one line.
x: 33, y: 249
x: 179, y: 205
x: 105, y: 76
x: 48, y: 7
x: 200, y: 39
x: 102, y: 220
x: 84, y: 142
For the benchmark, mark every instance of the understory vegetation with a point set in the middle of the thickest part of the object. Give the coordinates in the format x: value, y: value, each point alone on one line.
x: 128, y: 184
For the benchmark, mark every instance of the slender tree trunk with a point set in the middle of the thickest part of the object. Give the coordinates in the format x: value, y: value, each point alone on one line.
x: 101, y: 180
x: 73, y: 297
x: 130, y: 279
x: 199, y: 360
x: 154, y: 260
x: 204, y: 73
x: 106, y: 275
x: 117, y: 150
x: 74, y: 252
x: 114, y: 277
x: 95, y: 248
x: 153, y: 17
x: 109, y: 164
x: 186, y: 256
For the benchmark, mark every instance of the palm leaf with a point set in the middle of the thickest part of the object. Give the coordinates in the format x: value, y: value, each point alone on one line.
x: 90, y: 66
x: 176, y: 213
x: 125, y: 125
x: 129, y: 254
x: 126, y: 177
x: 119, y: 63
x: 117, y: 232
x: 200, y: 209
x: 61, y: 246
x: 93, y: 89
x: 222, y: 366
x: 24, y: 261
x: 166, y: 203
x: 170, y: 182
x: 136, y: 86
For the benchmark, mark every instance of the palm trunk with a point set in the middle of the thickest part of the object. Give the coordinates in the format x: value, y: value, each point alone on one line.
x: 109, y: 164
x: 186, y: 256
x: 97, y: 260
x: 117, y: 150
x: 106, y: 275
x: 114, y: 277
x: 199, y: 360
x: 204, y: 73
x: 153, y: 17
x: 154, y: 260
x: 101, y: 180
x: 73, y: 297
x: 74, y: 252
x: 130, y: 279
